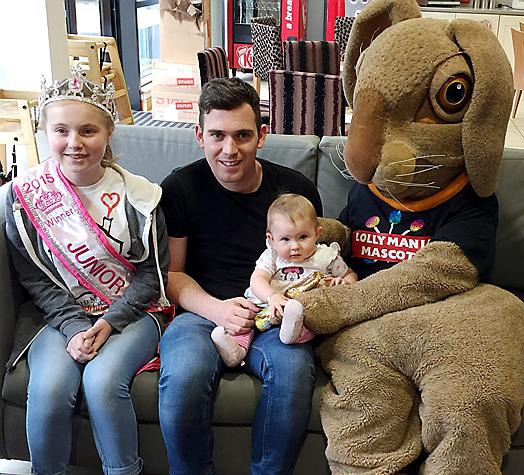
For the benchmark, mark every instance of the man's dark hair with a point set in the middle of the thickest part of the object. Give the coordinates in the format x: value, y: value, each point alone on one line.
x: 228, y: 94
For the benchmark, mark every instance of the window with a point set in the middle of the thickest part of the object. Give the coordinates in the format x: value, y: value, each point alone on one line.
x: 148, y: 24
x: 88, y: 17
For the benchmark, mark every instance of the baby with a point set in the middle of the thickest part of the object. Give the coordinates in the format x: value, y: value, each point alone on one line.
x: 293, y: 262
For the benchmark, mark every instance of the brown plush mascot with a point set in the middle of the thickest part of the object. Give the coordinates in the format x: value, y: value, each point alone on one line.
x: 425, y: 358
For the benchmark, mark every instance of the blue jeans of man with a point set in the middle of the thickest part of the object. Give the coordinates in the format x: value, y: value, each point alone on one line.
x: 54, y: 381
x: 190, y: 372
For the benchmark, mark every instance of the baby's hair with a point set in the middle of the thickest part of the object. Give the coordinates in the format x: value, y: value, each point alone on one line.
x: 294, y: 207
x: 108, y: 159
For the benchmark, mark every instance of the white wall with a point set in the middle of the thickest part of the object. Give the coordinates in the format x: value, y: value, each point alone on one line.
x: 33, y: 39
x: 315, y: 20
x: 34, y: 43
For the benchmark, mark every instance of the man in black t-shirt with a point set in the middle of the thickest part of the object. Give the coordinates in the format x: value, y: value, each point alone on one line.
x: 215, y: 211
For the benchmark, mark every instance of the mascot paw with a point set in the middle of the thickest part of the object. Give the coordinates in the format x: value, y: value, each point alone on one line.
x: 334, y: 231
x: 321, y: 312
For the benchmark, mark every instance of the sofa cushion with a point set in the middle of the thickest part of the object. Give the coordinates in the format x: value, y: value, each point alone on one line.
x: 131, y: 141
x: 333, y: 182
x: 509, y: 257
x: 235, y: 404
x: 179, y: 147
x: 518, y: 437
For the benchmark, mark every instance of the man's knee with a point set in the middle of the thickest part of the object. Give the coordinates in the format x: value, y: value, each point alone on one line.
x: 289, y: 366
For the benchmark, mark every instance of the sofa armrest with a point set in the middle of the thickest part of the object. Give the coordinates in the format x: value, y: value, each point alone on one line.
x: 7, y: 305
x: 8, y: 292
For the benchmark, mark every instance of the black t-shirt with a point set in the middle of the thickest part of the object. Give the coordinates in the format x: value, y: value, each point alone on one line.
x: 382, y: 236
x: 226, y: 230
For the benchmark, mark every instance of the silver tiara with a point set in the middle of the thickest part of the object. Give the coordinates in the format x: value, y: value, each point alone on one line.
x: 78, y: 88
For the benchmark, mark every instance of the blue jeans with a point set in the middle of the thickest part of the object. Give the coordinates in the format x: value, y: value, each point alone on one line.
x: 189, y: 375
x: 54, y: 381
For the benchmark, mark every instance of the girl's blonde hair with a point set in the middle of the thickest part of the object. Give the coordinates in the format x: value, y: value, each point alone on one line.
x: 294, y: 207
x: 108, y: 159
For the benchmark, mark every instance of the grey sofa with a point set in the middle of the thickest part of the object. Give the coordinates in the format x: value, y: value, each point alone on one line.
x: 154, y: 152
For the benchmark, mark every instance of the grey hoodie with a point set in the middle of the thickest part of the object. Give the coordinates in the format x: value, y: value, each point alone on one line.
x: 49, y: 293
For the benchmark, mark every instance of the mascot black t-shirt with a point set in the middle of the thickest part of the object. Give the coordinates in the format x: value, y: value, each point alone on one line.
x: 381, y: 235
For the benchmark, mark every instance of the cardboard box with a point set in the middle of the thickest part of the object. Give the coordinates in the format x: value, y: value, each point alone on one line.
x: 176, y: 78
x: 180, y: 40
x: 175, y: 107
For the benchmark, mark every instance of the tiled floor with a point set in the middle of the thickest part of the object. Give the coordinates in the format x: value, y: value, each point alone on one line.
x: 515, y: 133
x: 18, y: 467
x: 14, y: 467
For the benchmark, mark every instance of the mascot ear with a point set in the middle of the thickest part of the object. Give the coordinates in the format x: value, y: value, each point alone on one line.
x: 485, y: 123
x: 374, y: 19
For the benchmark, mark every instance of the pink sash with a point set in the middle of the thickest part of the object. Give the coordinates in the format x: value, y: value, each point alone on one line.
x: 70, y: 232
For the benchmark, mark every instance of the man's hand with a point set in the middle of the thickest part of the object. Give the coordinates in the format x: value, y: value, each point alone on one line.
x: 98, y: 334
x: 80, y: 348
x: 237, y: 315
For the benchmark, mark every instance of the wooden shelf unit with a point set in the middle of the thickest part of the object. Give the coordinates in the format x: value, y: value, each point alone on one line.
x: 87, y: 51
x: 17, y: 125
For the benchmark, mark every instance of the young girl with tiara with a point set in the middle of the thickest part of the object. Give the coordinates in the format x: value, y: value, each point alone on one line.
x: 90, y: 247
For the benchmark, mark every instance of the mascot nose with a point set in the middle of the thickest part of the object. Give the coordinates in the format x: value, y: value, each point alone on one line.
x: 366, y: 132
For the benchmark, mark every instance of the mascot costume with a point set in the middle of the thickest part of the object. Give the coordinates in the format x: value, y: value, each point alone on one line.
x: 426, y: 360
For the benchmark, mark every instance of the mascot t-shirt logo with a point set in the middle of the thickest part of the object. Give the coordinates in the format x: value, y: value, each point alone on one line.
x: 389, y: 247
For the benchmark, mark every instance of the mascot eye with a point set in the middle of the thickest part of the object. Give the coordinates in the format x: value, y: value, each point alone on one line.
x: 454, y: 94
x: 449, y: 95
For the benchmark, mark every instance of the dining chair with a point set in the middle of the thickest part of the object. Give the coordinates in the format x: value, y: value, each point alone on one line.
x: 303, y: 103
x: 312, y: 56
x: 267, y: 48
x: 267, y: 54
x: 315, y: 57
x: 517, y: 37
x: 212, y: 63
x: 343, y: 25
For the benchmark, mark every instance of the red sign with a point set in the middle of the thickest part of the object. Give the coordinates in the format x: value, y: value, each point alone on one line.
x: 179, y: 105
x: 184, y: 105
x: 243, y: 56
x: 294, y: 18
x: 386, y: 247
x: 185, y: 81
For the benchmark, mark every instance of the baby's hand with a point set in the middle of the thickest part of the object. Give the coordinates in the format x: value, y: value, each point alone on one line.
x: 350, y: 278
x: 276, y: 304
x: 332, y: 281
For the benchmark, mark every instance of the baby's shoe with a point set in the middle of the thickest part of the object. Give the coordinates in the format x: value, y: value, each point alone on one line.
x: 229, y: 350
x: 292, y: 322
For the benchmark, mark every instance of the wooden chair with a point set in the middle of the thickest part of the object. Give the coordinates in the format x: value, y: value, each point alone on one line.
x: 91, y: 53
x: 517, y: 37
x: 212, y: 63
x: 304, y: 103
x: 16, y: 124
